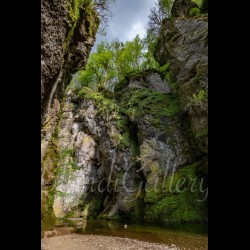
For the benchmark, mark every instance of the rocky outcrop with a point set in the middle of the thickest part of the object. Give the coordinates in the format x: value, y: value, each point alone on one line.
x: 68, y: 33
x: 97, y: 173
x: 167, y: 153
x: 182, y: 7
x: 162, y: 117
x: 116, y: 155
x: 137, y: 153
x: 149, y: 104
x: 150, y: 79
x: 183, y: 43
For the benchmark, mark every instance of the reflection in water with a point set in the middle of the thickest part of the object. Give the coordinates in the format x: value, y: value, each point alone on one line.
x: 185, y: 236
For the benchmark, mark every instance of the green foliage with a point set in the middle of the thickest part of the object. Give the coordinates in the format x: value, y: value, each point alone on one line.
x: 152, y: 196
x: 66, y: 152
x: 76, y: 7
x: 100, y: 70
x: 167, y: 7
x: 201, y: 132
x: 65, y: 168
x: 95, y: 206
x: 194, y: 12
x: 167, y: 4
x: 167, y: 75
x: 200, y: 98
x: 175, y: 206
x: 48, y: 217
x: 91, y: 19
x: 198, y: 2
x: 129, y: 57
x: 113, y: 61
x: 144, y: 102
x: 164, y: 68
x: 111, y: 111
x: 71, y: 214
x: 49, y: 169
x: 174, y: 209
x: 124, y: 139
x: 105, y: 105
x: 151, y: 43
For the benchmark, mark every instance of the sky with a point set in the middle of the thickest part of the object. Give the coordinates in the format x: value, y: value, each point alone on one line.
x: 129, y: 18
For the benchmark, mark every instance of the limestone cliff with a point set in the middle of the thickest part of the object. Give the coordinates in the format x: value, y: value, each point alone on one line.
x: 183, y: 42
x: 183, y: 45
x: 118, y: 155
x: 139, y: 152
x: 94, y: 162
x: 68, y: 33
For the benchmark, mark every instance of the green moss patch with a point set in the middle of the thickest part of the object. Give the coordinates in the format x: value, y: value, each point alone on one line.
x: 76, y: 10
x: 144, y: 102
x: 183, y: 198
x: 108, y: 108
x: 48, y: 217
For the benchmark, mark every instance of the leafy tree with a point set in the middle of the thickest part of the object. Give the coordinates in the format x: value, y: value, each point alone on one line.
x: 113, y: 61
x: 130, y: 57
x: 150, y: 44
x: 100, y: 70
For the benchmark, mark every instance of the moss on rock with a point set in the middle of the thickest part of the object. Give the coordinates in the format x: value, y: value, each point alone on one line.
x: 144, y: 102
x: 184, y: 198
x: 107, y: 107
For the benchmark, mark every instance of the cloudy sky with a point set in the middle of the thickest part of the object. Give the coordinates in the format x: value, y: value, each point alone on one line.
x: 129, y: 19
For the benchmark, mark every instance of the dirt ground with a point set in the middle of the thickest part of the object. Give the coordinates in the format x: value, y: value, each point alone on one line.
x: 63, y: 239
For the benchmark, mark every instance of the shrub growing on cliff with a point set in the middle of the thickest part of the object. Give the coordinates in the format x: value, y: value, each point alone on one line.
x: 151, y: 105
x: 162, y: 10
x: 194, y: 12
x: 201, y: 99
x: 198, y: 2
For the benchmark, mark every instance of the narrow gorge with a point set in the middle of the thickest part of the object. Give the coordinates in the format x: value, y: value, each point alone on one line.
x: 136, y: 151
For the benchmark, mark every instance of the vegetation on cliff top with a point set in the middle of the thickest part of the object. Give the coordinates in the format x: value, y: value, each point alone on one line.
x: 105, y: 82
x: 106, y: 79
x: 111, y: 112
x: 113, y: 61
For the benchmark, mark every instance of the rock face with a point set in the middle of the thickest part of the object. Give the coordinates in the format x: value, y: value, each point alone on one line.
x: 97, y: 175
x: 151, y: 80
x: 138, y: 153
x: 154, y: 132
x: 183, y: 43
x: 117, y: 156
x: 182, y: 7
x: 68, y: 33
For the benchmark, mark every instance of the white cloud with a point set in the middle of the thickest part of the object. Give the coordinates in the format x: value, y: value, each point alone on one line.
x: 137, y: 28
x: 130, y: 18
